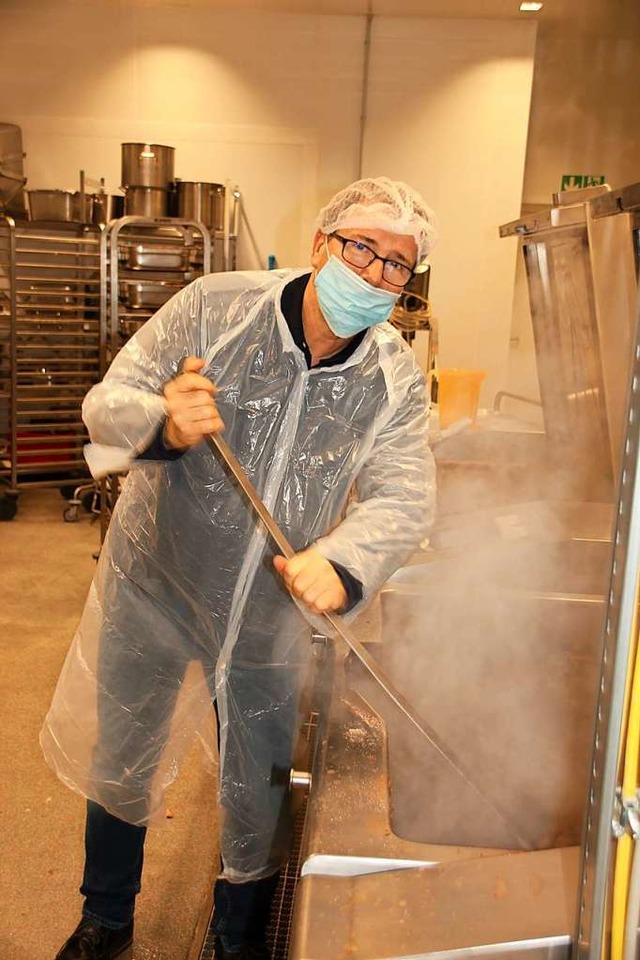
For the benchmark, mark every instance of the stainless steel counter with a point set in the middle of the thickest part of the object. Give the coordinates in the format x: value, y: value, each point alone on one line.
x: 495, y: 639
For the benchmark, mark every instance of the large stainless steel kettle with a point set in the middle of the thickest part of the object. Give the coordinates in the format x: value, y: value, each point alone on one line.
x: 12, y: 178
x: 60, y: 206
x: 147, y: 165
x: 201, y: 201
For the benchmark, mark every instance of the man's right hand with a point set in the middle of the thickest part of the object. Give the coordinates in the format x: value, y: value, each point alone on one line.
x: 191, y: 409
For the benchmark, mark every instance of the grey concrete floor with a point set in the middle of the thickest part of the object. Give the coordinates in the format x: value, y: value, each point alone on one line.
x: 46, y: 566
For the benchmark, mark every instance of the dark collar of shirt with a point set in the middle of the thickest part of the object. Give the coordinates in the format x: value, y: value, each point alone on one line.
x: 291, y: 305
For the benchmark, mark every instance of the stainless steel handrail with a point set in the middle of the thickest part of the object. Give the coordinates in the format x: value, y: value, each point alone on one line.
x: 502, y: 394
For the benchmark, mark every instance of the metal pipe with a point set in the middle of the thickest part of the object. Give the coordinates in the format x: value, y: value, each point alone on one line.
x: 365, y: 90
x: 13, y: 349
x: 501, y: 394
x: 252, y: 240
x: 300, y: 779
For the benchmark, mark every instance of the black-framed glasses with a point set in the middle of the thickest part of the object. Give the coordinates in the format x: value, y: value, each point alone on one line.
x: 358, y: 254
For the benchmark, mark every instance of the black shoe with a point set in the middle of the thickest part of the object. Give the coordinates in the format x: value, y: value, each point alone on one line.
x: 92, y: 941
x: 250, y: 951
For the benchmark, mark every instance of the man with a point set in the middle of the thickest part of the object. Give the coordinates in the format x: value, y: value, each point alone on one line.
x: 318, y: 396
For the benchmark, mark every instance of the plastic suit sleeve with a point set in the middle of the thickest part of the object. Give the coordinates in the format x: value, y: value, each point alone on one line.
x: 126, y: 409
x: 157, y: 449
x: 395, y: 501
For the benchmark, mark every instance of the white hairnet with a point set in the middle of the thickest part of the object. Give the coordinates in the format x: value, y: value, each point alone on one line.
x: 383, y: 204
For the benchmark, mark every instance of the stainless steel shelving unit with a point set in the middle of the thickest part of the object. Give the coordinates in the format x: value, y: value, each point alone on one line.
x: 149, y: 260
x: 71, y: 294
x: 53, y: 312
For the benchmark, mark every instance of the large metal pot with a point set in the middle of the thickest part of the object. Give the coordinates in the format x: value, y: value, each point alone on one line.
x: 147, y: 165
x: 145, y: 202
x: 203, y: 202
x: 12, y: 178
x: 60, y: 206
x: 107, y: 207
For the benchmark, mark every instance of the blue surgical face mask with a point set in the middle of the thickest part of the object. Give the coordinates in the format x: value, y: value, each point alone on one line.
x: 349, y: 304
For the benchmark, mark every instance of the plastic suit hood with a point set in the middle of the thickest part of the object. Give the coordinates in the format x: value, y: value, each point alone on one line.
x: 185, y: 604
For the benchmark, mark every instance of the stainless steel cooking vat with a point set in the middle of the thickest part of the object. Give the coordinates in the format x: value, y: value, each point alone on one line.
x: 12, y: 178
x: 107, y: 207
x: 145, y: 202
x: 60, y: 206
x: 494, y: 635
x: 202, y: 201
x: 147, y: 165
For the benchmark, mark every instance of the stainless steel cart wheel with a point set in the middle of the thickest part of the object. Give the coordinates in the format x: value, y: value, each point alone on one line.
x: 70, y: 514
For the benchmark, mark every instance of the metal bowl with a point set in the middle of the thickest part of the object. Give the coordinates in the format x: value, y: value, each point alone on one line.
x: 60, y: 206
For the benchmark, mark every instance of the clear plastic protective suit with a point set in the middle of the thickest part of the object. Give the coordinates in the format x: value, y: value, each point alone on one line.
x: 185, y: 604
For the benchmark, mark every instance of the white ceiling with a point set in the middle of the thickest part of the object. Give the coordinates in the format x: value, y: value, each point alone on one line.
x: 612, y: 14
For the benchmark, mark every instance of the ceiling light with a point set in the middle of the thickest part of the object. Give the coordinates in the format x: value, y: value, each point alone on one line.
x: 528, y: 6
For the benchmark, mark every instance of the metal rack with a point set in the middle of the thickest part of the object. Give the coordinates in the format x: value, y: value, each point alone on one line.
x: 149, y: 260
x: 52, y: 350
x: 71, y: 295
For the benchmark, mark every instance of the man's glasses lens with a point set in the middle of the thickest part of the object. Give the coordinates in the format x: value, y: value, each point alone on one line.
x: 360, y: 255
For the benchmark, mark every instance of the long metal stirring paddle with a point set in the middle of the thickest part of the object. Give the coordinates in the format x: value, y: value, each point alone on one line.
x: 220, y: 446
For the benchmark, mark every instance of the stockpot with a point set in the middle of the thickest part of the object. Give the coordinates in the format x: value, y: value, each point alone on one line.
x: 147, y: 165
x: 60, y: 206
x: 107, y: 207
x: 201, y: 201
x: 12, y: 178
x: 145, y: 202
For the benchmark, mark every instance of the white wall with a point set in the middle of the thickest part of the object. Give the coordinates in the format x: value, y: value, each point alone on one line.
x: 272, y: 102
x: 268, y: 101
x: 458, y: 93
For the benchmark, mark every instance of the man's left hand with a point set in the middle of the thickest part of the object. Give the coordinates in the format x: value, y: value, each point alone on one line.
x: 311, y: 578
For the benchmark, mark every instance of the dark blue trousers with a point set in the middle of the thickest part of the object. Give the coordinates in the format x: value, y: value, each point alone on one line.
x: 114, y: 853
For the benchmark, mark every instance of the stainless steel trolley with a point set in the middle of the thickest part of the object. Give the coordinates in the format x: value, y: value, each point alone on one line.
x: 52, y: 350
x: 148, y: 261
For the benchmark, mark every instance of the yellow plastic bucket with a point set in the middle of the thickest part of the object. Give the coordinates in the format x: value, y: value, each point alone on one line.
x: 458, y: 394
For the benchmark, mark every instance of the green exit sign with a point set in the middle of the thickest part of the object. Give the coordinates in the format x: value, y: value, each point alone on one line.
x: 575, y: 181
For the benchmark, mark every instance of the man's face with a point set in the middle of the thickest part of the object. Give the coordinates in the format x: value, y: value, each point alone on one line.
x: 398, y: 250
